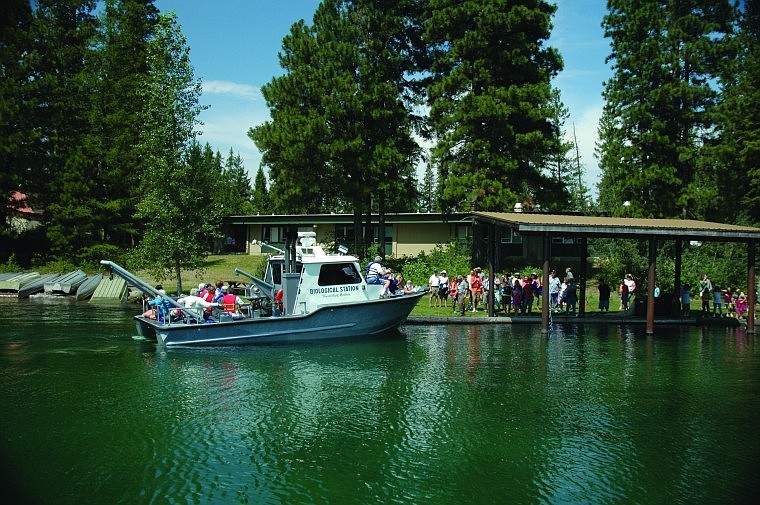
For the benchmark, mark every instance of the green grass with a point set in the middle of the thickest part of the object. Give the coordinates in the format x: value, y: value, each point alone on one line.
x: 217, y: 267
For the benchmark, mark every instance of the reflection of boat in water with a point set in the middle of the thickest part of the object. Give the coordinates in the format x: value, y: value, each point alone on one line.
x: 87, y: 288
x: 66, y: 284
x: 323, y: 297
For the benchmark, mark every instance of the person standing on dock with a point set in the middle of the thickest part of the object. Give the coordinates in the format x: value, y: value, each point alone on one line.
x: 705, y: 291
x: 463, y: 288
x: 434, y: 283
x: 604, y: 296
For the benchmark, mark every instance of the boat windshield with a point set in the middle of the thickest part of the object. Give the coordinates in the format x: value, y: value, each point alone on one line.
x: 333, y: 274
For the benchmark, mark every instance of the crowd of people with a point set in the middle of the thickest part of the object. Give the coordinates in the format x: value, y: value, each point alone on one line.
x: 726, y: 302
x: 513, y: 293
x: 200, y: 302
x: 519, y: 294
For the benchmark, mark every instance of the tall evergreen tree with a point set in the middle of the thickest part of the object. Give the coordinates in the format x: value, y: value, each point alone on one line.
x: 15, y: 46
x: 235, y: 180
x: 658, y: 102
x: 428, y: 197
x: 489, y: 101
x: 261, y: 200
x: 63, y: 79
x: 117, y: 105
x: 175, y: 207
x: 340, y: 135
x: 734, y: 155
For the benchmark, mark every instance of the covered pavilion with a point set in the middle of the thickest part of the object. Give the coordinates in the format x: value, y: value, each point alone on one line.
x: 588, y: 227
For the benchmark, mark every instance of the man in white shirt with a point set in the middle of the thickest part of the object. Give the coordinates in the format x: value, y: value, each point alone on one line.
x: 433, y: 284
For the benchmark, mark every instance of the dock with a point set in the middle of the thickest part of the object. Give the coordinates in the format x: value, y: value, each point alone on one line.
x: 110, y: 291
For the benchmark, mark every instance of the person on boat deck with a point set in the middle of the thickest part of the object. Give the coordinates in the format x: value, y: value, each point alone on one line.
x: 231, y: 302
x: 193, y: 301
x: 278, y: 301
x: 376, y: 274
x: 393, y: 283
x: 408, y: 288
x: 159, y: 305
x: 218, y: 294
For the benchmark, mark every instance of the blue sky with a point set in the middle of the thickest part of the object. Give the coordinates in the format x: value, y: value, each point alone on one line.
x: 234, y: 46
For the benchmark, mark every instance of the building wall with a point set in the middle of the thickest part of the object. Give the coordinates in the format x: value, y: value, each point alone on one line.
x: 408, y: 238
x: 411, y: 238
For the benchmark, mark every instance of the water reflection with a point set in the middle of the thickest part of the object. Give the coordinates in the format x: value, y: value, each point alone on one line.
x: 427, y: 415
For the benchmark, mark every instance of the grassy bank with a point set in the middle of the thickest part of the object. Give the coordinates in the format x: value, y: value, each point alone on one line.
x: 217, y: 267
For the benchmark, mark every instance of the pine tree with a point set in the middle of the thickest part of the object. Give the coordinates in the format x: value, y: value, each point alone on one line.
x: 734, y: 154
x: 658, y: 103
x: 262, y: 202
x: 117, y: 105
x: 489, y: 101
x: 340, y: 136
x: 60, y: 92
x: 15, y: 132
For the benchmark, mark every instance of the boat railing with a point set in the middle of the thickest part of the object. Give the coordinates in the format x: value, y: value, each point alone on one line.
x: 145, y: 288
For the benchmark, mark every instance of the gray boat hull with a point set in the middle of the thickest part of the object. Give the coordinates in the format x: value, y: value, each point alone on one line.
x: 330, y: 322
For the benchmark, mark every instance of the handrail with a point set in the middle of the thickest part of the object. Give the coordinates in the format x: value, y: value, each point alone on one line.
x: 267, y: 288
x: 145, y: 287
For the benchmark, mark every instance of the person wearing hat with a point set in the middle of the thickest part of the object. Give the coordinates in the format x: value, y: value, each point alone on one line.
x: 443, y: 288
x: 433, y: 284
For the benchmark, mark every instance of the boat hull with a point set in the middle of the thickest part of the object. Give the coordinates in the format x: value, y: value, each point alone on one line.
x: 330, y: 322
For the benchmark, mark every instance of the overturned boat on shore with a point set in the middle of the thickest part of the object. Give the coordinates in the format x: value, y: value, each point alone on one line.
x: 312, y: 296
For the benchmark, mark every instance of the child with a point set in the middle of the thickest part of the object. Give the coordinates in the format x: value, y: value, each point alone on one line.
x: 741, y: 304
x: 728, y: 299
x: 685, y: 301
x: 717, y: 302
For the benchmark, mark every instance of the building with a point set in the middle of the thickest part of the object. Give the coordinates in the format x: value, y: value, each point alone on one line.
x: 406, y: 234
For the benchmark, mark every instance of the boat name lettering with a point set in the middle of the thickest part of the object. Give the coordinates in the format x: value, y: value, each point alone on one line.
x: 332, y: 289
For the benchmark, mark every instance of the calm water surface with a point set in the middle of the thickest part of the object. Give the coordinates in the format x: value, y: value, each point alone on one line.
x: 431, y: 414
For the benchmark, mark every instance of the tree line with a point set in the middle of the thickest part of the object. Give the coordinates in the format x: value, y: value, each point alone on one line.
x: 100, y: 117
x: 99, y: 108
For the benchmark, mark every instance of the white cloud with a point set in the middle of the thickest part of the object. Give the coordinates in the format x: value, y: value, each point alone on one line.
x: 232, y: 88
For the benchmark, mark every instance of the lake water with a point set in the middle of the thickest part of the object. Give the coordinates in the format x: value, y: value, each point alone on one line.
x: 430, y: 414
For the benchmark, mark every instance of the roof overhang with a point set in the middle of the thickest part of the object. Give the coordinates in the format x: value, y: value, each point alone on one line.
x: 619, y: 227
x: 312, y: 219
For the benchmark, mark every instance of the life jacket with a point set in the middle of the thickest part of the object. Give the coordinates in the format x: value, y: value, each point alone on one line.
x: 229, y: 303
x: 208, y: 296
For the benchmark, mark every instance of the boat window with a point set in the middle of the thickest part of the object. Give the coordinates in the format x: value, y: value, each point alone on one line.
x: 333, y: 274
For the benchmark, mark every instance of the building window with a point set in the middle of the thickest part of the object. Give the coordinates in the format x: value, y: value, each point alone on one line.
x: 275, y: 235
x: 344, y: 234
x: 510, y: 236
x: 463, y: 232
x: 563, y: 240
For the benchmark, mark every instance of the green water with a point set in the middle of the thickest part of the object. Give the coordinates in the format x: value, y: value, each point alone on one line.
x: 431, y: 414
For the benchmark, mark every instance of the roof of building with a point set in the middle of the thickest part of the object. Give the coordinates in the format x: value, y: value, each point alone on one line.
x: 311, y: 219
x: 596, y: 226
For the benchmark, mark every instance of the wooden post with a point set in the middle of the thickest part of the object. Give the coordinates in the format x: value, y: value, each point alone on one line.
x: 677, y: 281
x: 751, y: 283
x: 651, y: 280
x: 491, y: 244
x: 582, y: 280
x: 545, y: 286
